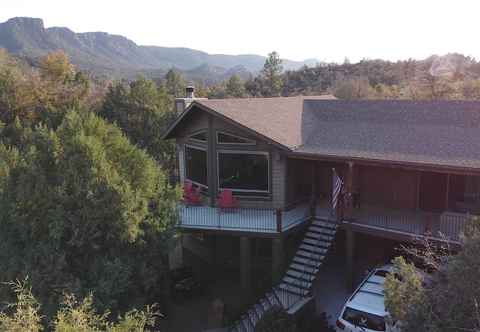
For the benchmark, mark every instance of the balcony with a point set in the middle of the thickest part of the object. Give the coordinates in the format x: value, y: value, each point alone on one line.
x: 404, y: 224
x: 445, y: 226
x: 267, y: 221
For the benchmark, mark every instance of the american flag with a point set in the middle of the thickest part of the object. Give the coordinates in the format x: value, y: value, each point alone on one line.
x: 337, y: 188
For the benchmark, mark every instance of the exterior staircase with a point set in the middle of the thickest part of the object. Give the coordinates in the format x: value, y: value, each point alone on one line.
x: 295, y: 289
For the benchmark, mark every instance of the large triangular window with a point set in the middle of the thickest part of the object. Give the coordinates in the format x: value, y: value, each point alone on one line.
x: 224, y: 138
x: 200, y: 137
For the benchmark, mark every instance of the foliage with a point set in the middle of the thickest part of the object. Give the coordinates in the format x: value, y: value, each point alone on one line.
x: 403, y: 289
x: 276, y: 319
x: 447, y: 302
x: 235, y: 87
x: 175, y: 83
x: 143, y: 111
x: 84, y: 210
x: 23, y: 315
x: 45, y: 94
x: 354, y: 88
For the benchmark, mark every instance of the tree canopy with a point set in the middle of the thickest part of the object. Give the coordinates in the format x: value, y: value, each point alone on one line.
x: 446, y: 300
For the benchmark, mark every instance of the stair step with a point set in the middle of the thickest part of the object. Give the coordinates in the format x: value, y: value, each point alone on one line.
x: 319, y: 236
x: 265, y: 304
x: 324, y: 224
x: 273, y: 299
x: 243, y: 325
x: 259, y: 309
x: 253, y: 316
x: 322, y: 230
x: 293, y: 289
x: 300, y: 275
x: 304, y: 268
x: 309, y: 254
x: 315, y: 242
x: 247, y: 322
x: 311, y: 248
x: 300, y: 283
x: 306, y: 261
x: 238, y: 327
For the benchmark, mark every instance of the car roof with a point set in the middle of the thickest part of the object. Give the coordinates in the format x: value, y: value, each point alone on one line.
x: 369, y: 296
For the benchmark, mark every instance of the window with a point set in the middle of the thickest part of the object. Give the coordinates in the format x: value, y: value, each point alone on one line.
x: 364, y: 319
x: 224, y: 138
x: 201, y: 137
x: 196, y: 165
x: 243, y: 171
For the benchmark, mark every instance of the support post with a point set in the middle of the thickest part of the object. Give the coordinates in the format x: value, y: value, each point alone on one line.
x: 278, y: 213
x: 245, y: 267
x: 447, y: 203
x: 348, y: 197
x: 350, y: 249
x: 211, y: 161
x: 278, y: 256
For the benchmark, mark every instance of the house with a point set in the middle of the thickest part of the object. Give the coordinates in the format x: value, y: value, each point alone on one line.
x: 409, y: 169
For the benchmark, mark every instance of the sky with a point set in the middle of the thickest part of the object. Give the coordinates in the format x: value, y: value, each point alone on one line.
x: 327, y: 30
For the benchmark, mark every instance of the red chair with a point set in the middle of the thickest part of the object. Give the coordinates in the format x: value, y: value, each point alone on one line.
x: 226, y: 200
x: 191, y: 195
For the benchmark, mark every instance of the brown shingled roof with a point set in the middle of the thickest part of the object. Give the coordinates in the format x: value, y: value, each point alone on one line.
x: 278, y: 118
x: 443, y: 133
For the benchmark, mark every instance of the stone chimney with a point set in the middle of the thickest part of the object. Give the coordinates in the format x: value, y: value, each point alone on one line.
x: 182, y: 103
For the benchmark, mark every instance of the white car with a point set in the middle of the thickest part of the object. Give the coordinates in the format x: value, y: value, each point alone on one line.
x: 365, y: 309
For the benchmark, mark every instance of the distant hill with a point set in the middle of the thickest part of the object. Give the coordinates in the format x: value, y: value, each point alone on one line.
x: 117, y: 56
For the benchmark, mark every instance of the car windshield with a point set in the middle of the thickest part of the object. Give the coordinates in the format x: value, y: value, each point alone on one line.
x: 364, y: 319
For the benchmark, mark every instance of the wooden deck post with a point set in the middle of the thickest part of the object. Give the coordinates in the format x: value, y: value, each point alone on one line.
x: 348, y: 192
x: 278, y: 213
x: 350, y: 249
x: 245, y: 267
x: 278, y: 256
x: 447, y: 203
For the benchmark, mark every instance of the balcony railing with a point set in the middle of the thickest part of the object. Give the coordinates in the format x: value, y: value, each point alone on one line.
x: 446, y: 226
x: 243, y: 219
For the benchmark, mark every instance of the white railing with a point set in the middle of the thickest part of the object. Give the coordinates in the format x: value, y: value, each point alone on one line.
x: 445, y: 226
x: 242, y: 219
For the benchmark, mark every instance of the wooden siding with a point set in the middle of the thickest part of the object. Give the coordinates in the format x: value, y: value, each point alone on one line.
x: 390, y: 188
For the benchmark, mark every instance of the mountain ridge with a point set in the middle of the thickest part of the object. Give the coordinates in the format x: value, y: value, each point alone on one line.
x: 116, y: 55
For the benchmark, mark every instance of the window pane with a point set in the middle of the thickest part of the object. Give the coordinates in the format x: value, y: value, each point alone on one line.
x: 196, y: 165
x: 230, y: 139
x: 364, y: 319
x: 243, y: 171
x: 200, y: 137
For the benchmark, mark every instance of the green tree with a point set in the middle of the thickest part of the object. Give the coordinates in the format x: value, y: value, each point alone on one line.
x: 175, y: 83
x: 82, y: 209
x: 235, y: 87
x: 143, y: 111
x: 447, y: 300
x: 272, y: 75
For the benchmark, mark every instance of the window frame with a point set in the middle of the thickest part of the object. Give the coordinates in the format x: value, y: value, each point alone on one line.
x: 246, y: 152
x: 195, y: 147
x: 202, y: 131
x: 249, y: 142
